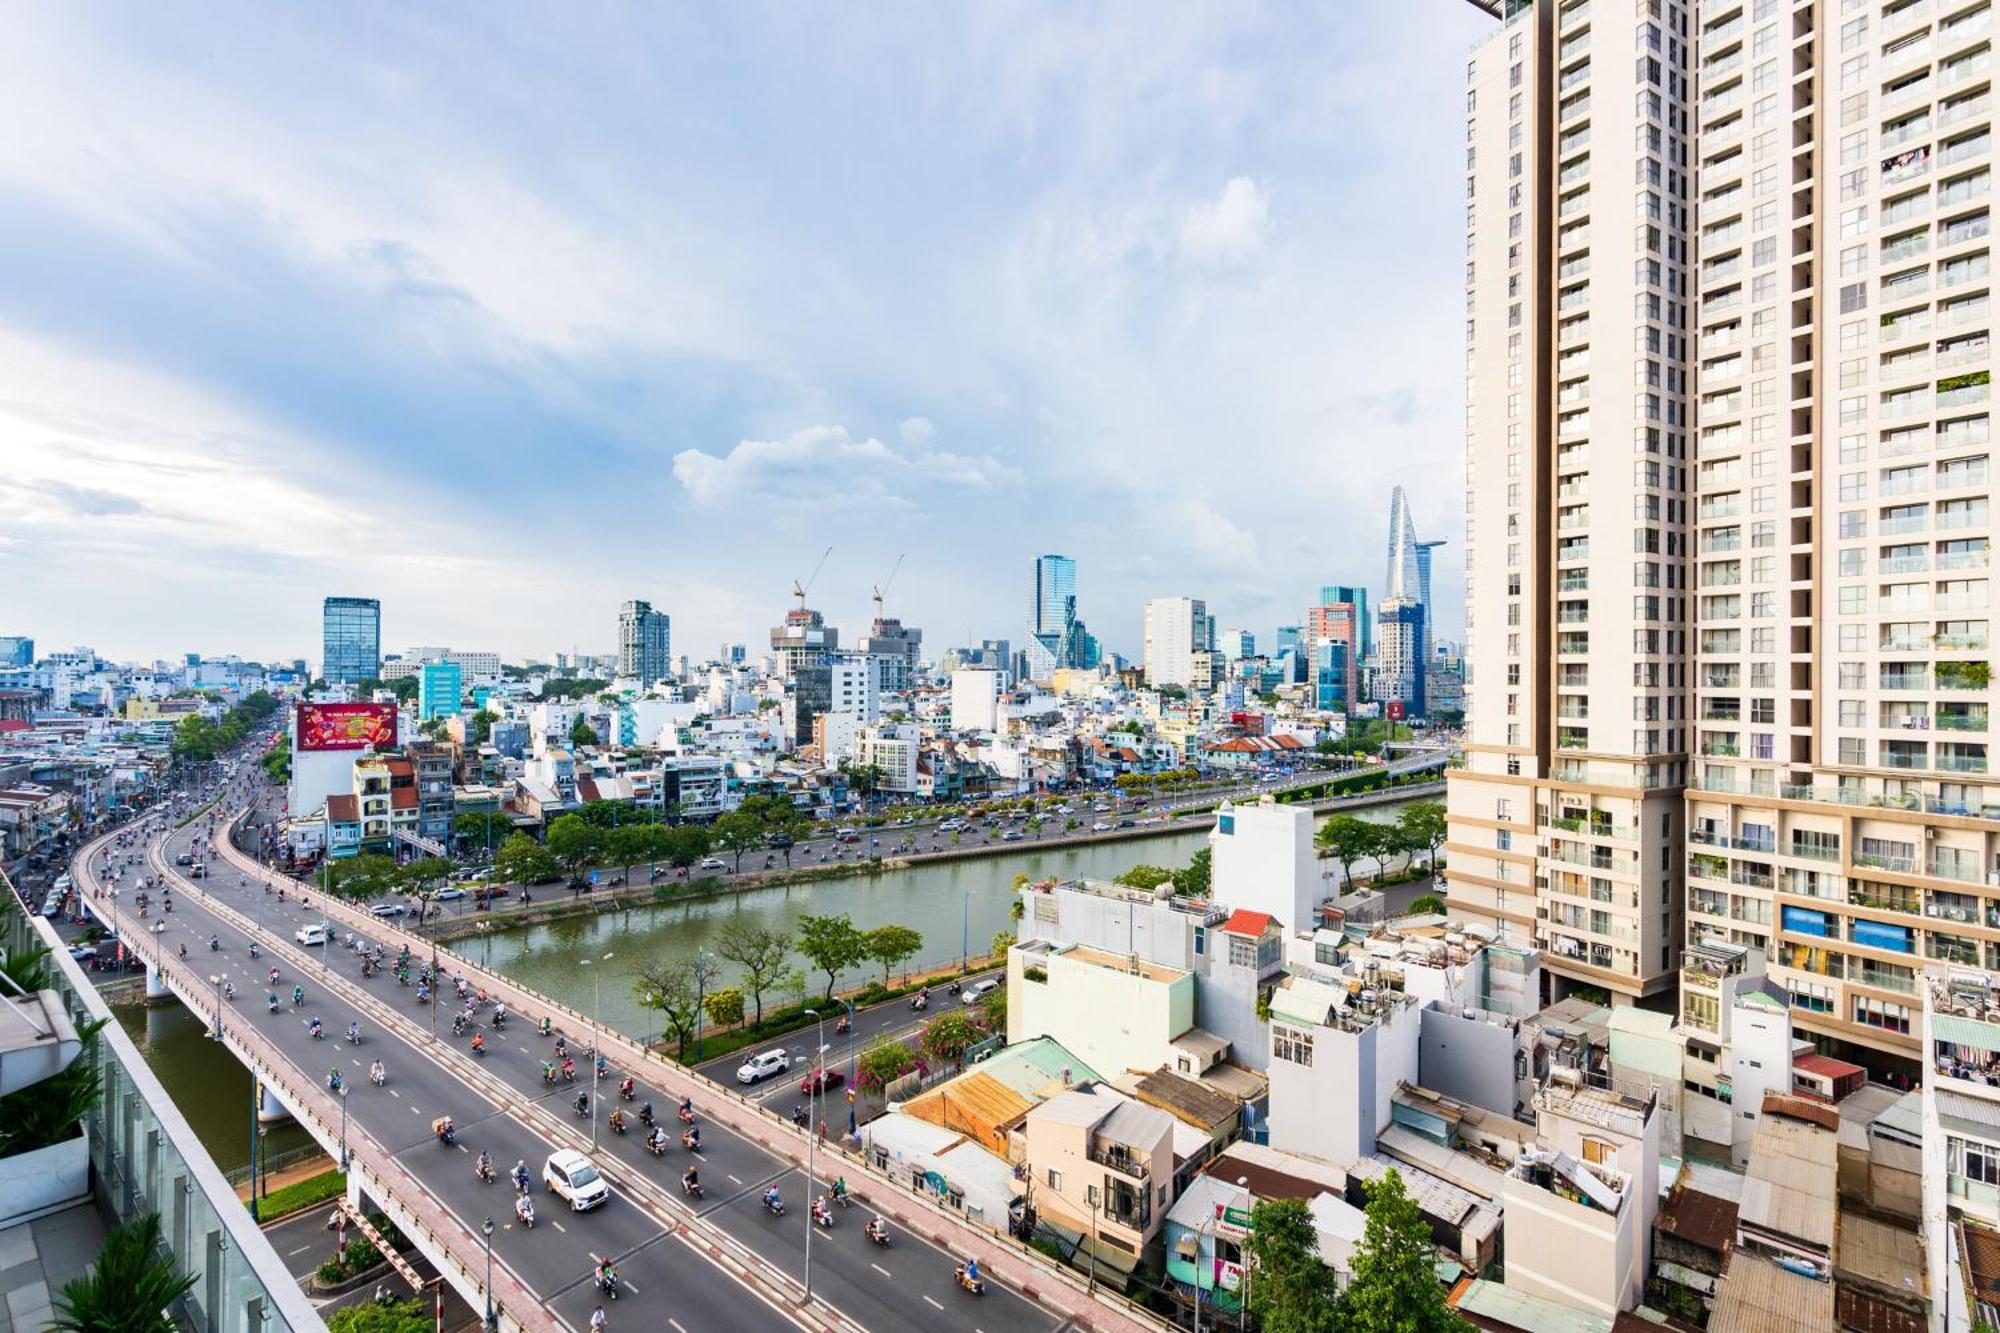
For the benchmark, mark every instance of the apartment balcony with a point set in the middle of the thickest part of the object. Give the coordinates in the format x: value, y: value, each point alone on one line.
x: 1117, y: 1158
x: 1810, y: 851
x: 1904, y: 564
x: 1961, y: 722
x: 1961, y: 763
x: 1959, y: 643
x: 1900, y: 865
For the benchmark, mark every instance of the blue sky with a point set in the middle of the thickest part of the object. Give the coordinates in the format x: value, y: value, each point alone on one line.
x: 507, y: 313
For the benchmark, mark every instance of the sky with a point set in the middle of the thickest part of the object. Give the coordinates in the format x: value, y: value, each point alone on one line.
x: 506, y: 313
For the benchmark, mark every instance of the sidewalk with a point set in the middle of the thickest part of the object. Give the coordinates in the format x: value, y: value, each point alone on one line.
x: 289, y: 1175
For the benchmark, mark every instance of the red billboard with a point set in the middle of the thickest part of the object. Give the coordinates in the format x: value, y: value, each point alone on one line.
x: 1395, y: 710
x: 346, y: 726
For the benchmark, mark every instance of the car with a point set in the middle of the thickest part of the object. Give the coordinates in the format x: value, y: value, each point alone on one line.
x: 821, y: 1080
x: 1125, y: 823
x: 312, y: 934
x: 760, y: 1067
x: 979, y: 990
x: 779, y: 841
x: 714, y: 863
x: 184, y: 859
x: 951, y: 826
x: 450, y: 895
x: 569, y: 1176
x: 198, y: 871
x: 82, y: 953
x: 386, y: 910
x: 1012, y: 835
x: 1100, y: 827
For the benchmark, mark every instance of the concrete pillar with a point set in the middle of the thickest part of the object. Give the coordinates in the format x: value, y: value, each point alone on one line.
x: 156, y: 985
x: 269, y: 1109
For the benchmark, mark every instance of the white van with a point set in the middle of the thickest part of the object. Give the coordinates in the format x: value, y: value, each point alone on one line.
x: 312, y: 934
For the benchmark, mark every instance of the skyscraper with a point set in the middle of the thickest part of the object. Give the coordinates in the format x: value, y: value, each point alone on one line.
x: 1565, y: 818
x: 350, y: 639
x: 1357, y: 597
x: 1053, y: 618
x: 1405, y: 579
x: 16, y: 650
x: 1336, y: 620
x: 440, y: 690
x: 645, y: 637
x: 1177, y: 628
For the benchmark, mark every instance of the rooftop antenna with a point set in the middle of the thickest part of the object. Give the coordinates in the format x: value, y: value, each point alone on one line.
x: 799, y: 589
x: 882, y: 588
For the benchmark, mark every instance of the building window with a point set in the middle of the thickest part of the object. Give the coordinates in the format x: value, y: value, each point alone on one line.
x: 1969, y: 1160
x: 1242, y: 952
x: 1055, y: 1180
x: 1291, y: 1045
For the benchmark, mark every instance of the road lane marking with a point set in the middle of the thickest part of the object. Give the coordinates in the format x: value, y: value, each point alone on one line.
x: 733, y: 1180
x: 933, y: 1304
x: 675, y: 1325
x: 878, y: 1268
x: 560, y: 1227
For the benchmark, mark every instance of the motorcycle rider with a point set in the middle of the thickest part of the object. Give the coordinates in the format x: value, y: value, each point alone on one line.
x: 313, y: 1027
x: 772, y: 1198
x: 582, y: 1103
x: 524, y: 1208
x: 691, y: 1181
x: 519, y: 1175
x: 692, y: 1139
x: 877, y: 1230
x: 377, y: 1074
x: 484, y: 1166
x: 354, y: 1033
x: 657, y: 1140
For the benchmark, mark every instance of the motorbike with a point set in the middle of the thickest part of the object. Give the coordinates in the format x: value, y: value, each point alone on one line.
x: 617, y: 1122
x: 877, y: 1231
x: 975, y: 1285
x: 822, y: 1215
x: 548, y: 1076
x: 353, y: 1036
x: 646, y: 1115
x: 691, y: 1187
x: 272, y: 1001
x: 608, y: 1284
x: 656, y: 1143
x: 378, y: 1075
x: 920, y: 1003
x: 691, y: 1141
x: 525, y: 1210
x: 582, y: 1108
x: 774, y: 1205
x: 684, y: 1115
x: 625, y: 1090
x: 484, y: 1170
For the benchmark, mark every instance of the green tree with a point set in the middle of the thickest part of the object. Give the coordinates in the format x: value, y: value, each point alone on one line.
x: 831, y: 944
x: 574, y: 843
x: 481, y: 829
x: 1145, y: 877
x: 1192, y: 880
x: 883, y: 1063
x: 737, y: 832
x: 1395, y: 1287
x: 132, y: 1288
x: 759, y: 953
x: 1347, y: 840
x: 582, y: 734
x: 522, y: 860
x: 725, y: 1007
x: 890, y: 945
x: 410, y: 1316
x: 482, y: 726
x: 949, y: 1036
x: 363, y: 876
x: 629, y: 845
x: 677, y: 990
x: 1003, y: 940
x: 690, y: 844
x: 1423, y: 824
x: 993, y: 1010
x: 1379, y: 843
x: 1291, y: 1291
x: 1426, y: 904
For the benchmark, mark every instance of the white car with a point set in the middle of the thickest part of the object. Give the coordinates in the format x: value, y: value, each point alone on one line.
x: 760, y: 1067
x: 979, y: 991
x: 313, y: 934
x: 1100, y: 827
x: 450, y: 895
x: 570, y: 1177
x: 386, y: 910
x: 714, y: 863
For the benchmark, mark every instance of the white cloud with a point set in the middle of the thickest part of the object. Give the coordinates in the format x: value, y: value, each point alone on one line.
x: 917, y: 432
x: 825, y: 465
x: 1229, y: 228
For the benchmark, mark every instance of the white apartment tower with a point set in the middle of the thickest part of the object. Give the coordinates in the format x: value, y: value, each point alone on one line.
x: 1177, y: 629
x: 1565, y: 820
x: 1838, y: 812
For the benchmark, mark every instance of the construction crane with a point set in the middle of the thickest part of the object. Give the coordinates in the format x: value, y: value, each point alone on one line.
x: 881, y: 589
x: 799, y: 590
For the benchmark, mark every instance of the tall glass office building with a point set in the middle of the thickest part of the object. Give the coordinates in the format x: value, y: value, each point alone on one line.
x: 352, y: 639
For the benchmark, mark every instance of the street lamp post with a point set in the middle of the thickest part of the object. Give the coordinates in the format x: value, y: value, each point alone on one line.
x: 342, y: 1094
x: 812, y: 1140
x: 215, y: 979
x: 486, y: 1230
x: 1090, y: 1193
x: 849, y: 1005
x: 596, y: 1013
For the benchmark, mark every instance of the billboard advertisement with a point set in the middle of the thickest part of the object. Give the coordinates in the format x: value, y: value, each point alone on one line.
x: 346, y: 727
x: 1395, y: 710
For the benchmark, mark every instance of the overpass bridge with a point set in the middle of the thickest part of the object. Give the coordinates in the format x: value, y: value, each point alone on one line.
x: 720, y: 1262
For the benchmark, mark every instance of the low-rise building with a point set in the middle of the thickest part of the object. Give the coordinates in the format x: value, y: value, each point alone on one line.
x: 1118, y: 1012
x: 1104, y: 1165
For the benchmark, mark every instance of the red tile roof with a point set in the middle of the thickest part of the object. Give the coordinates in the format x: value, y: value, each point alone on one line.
x: 403, y: 798
x: 1245, y: 922
x: 346, y: 809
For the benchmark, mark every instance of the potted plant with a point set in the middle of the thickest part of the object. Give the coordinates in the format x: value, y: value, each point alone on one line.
x: 131, y: 1289
x: 44, y: 1154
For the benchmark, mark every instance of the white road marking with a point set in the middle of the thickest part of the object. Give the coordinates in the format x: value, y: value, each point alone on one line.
x: 675, y: 1324
x: 878, y: 1268
x: 560, y: 1227
x: 933, y: 1304
x: 733, y: 1180
x: 395, y: 1094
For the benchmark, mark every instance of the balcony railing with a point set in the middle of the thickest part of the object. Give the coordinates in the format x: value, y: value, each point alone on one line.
x: 1117, y: 1159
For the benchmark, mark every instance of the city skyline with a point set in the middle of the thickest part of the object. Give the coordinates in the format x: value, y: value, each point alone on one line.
x: 443, y: 422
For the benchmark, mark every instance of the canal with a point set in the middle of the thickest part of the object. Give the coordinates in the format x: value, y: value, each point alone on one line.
x: 955, y: 905
x: 207, y: 1083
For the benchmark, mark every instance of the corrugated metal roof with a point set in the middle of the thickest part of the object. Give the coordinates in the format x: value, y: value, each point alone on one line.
x: 1504, y: 1304
x: 1965, y: 1032
x: 1757, y: 1296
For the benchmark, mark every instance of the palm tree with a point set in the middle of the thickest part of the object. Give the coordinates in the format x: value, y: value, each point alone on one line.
x: 131, y: 1290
